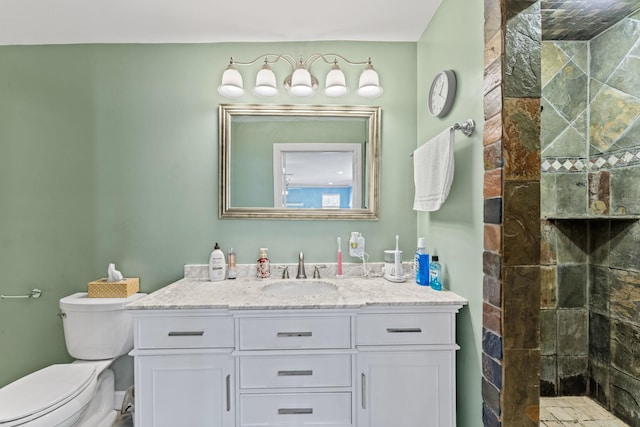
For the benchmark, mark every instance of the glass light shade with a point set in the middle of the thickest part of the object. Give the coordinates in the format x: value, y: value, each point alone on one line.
x: 335, y: 84
x: 266, y: 82
x: 231, y: 86
x: 301, y: 83
x: 369, y: 84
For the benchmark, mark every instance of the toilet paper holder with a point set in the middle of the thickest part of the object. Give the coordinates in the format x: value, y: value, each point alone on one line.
x: 35, y: 293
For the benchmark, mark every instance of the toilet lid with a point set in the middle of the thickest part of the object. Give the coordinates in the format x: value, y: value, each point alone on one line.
x: 43, y: 390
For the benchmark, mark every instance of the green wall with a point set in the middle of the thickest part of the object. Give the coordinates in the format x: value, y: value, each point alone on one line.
x: 47, y: 210
x: 454, y: 40
x: 108, y: 153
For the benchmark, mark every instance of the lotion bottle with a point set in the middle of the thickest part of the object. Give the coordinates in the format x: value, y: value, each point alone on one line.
x: 217, y: 265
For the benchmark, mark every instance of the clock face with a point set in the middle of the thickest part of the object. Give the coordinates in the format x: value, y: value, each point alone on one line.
x: 442, y: 93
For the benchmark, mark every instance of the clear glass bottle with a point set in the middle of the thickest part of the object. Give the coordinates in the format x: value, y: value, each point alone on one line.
x: 435, y: 274
x: 422, y: 263
x: 232, y: 271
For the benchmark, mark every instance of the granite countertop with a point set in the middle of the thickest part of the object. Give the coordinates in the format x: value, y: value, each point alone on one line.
x: 195, y: 292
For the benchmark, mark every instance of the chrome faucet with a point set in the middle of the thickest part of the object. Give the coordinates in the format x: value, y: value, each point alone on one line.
x: 301, y: 274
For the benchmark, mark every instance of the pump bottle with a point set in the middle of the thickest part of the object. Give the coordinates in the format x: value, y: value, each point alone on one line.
x: 217, y: 265
x: 263, y: 268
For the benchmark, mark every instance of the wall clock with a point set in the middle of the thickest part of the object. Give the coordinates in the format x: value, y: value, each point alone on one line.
x: 442, y: 93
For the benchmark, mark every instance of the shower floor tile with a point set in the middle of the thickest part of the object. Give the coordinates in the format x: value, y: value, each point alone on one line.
x: 575, y: 412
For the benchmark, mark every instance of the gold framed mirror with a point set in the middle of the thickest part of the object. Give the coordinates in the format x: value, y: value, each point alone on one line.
x: 299, y: 161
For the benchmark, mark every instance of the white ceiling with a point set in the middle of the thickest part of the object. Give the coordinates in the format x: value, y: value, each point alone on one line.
x: 205, y: 21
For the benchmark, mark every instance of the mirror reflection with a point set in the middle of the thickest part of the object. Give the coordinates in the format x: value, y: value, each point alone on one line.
x: 317, y: 175
x: 306, y: 162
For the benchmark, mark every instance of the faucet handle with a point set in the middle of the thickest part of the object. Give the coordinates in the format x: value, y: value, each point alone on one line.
x: 285, y: 272
x: 316, y: 270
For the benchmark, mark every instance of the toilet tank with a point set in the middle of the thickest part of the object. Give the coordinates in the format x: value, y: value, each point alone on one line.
x: 97, y: 328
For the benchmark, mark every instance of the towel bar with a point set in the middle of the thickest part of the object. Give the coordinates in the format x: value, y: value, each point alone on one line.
x: 35, y: 293
x: 467, y: 127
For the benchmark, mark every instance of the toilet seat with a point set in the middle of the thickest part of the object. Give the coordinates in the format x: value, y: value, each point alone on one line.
x: 44, y: 391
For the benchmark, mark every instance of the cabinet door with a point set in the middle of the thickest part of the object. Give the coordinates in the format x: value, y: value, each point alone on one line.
x: 406, y: 388
x: 184, y: 390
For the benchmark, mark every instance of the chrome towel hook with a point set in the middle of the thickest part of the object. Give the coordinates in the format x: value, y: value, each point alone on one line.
x: 35, y: 293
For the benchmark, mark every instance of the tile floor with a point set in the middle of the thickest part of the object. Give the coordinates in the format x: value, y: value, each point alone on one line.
x: 575, y: 412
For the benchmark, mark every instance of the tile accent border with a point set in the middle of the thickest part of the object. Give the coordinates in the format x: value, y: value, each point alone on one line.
x: 610, y: 160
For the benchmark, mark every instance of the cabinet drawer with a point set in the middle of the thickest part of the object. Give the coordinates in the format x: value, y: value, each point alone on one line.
x: 392, y: 329
x: 184, y: 332
x: 295, y: 333
x: 295, y: 371
x: 317, y: 409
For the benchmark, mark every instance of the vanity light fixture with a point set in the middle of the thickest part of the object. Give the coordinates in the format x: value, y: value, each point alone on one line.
x: 300, y: 82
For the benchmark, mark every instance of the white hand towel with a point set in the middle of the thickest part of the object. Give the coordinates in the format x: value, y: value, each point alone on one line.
x: 433, y: 171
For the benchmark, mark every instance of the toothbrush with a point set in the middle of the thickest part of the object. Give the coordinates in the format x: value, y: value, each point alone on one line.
x: 397, y: 260
x: 339, y: 271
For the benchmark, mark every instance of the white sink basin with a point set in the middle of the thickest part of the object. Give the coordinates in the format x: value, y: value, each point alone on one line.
x: 300, y: 287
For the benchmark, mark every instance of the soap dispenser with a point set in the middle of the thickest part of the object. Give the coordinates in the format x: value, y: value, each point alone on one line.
x: 217, y: 265
x: 263, y: 268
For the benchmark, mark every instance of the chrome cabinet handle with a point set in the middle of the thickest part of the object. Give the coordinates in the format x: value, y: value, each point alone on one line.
x: 294, y: 411
x: 294, y: 334
x: 295, y: 373
x: 363, y: 381
x: 403, y: 330
x: 228, y: 393
x: 186, y: 333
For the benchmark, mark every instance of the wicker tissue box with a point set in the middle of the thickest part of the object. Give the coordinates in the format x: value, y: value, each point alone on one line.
x: 121, y: 289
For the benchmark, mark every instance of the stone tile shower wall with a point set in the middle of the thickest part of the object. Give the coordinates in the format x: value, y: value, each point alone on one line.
x: 591, y: 124
x: 511, y: 258
x: 564, y: 315
x: 590, y: 312
x: 590, y: 274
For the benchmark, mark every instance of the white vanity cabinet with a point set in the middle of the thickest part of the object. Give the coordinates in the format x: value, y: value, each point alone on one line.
x: 295, y: 369
x: 184, y: 370
x: 406, y: 368
x: 353, y: 367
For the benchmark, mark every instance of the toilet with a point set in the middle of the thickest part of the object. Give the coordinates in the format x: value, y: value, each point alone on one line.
x: 82, y: 393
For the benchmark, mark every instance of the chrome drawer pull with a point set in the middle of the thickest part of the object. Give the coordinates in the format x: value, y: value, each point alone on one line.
x: 294, y: 373
x: 295, y: 411
x: 294, y: 334
x: 228, y: 393
x: 186, y: 333
x: 363, y: 379
x: 403, y: 330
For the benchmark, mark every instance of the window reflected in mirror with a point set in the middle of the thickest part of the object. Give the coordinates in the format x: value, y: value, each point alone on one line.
x: 317, y: 176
